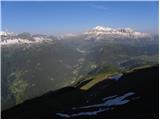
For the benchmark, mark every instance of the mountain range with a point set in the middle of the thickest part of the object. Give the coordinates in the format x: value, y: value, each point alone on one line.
x: 33, y: 64
x: 97, y: 33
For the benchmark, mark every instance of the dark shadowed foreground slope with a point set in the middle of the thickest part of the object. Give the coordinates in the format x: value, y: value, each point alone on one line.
x: 134, y: 95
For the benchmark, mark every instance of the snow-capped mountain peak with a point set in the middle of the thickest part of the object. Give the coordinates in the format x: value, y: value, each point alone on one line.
x: 109, y: 29
x: 101, y: 28
x: 100, y: 32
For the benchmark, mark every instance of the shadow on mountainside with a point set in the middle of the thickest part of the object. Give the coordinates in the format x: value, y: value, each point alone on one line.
x: 134, y: 95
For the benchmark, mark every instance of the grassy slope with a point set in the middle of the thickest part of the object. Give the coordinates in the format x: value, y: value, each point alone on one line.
x: 104, y: 74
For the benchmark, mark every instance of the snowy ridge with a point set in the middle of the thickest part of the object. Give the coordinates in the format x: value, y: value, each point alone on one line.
x: 10, y: 38
x: 96, y: 33
x: 100, y: 32
x: 19, y: 41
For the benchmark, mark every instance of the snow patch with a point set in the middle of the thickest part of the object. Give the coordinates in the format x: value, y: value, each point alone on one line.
x: 108, y: 104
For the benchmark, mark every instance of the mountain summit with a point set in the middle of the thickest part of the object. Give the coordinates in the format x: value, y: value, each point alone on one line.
x: 100, y: 32
x: 101, y: 28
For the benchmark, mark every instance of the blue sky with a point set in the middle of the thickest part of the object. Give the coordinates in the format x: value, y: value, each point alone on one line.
x: 71, y: 17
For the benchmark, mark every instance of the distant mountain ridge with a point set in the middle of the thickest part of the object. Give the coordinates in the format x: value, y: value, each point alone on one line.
x: 9, y: 38
x: 96, y: 33
x: 101, y: 31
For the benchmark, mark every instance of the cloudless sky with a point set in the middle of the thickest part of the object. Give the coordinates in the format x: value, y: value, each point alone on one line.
x: 71, y: 17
